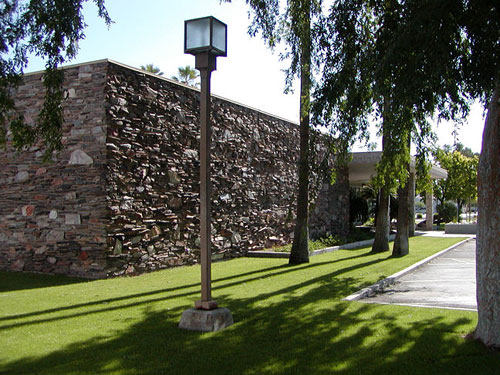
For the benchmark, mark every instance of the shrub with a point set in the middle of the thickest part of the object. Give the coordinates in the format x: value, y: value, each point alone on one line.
x: 447, y: 212
x: 355, y: 235
x: 370, y: 222
x: 420, y: 205
x: 331, y: 241
x: 358, y: 210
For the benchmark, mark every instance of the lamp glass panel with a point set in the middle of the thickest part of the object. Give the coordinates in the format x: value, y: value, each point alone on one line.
x: 198, y: 33
x: 219, y: 36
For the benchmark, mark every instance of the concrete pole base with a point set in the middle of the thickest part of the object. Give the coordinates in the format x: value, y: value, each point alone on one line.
x: 206, y: 320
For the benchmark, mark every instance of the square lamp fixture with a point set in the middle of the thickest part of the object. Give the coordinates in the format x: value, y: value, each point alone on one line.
x: 206, y: 34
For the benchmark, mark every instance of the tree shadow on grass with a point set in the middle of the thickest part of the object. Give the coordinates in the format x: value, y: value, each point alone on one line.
x: 278, y: 332
x: 218, y: 283
x: 274, y: 340
x: 12, y: 281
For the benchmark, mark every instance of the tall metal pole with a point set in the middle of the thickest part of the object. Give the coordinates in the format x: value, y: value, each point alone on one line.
x: 205, y: 63
x: 205, y: 38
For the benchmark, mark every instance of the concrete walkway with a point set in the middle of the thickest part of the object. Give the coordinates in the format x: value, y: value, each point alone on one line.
x: 448, y: 281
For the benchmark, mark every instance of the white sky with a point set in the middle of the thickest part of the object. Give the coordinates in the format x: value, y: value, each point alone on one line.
x: 152, y: 32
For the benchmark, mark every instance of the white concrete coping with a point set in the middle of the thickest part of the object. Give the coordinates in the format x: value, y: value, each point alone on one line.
x: 455, y: 228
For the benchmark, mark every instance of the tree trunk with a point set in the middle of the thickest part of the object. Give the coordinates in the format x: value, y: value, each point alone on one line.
x: 488, y: 245
x: 401, y: 245
x: 383, y: 220
x: 411, y: 202
x: 382, y: 226
x: 300, y: 247
x: 470, y: 217
x: 377, y: 204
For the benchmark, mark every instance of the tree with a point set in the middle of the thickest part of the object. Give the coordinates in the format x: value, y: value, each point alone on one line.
x: 358, y: 84
x: 151, y: 68
x: 481, y: 67
x: 300, y: 12
x: 186, y: 75
x: 461, y: 183
x: 401, y: 242
x: 488, y: 246
x: 293, y: 28
x: 465, y: 151
x: 51, y: 30
x: 438, y: 56
x: 383, y: 217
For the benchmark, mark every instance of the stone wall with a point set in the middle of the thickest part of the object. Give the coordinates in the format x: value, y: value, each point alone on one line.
x: 153, y: 186
x: 122, y: 198
x: 53, y: 215
x: 330, y: 211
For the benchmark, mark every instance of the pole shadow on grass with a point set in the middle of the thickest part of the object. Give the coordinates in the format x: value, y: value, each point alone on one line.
x: 106, y: 301
x: 278, y: 332
x: 299, y: 335
x: 103, y: 304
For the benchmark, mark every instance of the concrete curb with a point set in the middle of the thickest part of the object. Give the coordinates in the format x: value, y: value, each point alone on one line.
x: 379, y: 286
x: 266, y: 254
x: 347, y: 246
x: 352, y: 245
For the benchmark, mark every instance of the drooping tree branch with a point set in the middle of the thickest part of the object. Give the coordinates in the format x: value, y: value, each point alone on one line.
x: 51, y: 30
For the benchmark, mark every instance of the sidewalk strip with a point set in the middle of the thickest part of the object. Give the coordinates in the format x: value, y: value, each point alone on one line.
x: 379, y: 286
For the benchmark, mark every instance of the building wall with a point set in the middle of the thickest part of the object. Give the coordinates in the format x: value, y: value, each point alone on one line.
x: 53, y: 215
x: 153, y: 145
x: 135, y: 207
x: 330, y: 211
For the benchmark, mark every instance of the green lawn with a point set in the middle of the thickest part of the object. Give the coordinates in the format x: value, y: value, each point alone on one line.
x: 288, y: 320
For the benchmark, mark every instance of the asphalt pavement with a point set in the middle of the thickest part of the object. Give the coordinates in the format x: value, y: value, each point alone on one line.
x: 448, y: 281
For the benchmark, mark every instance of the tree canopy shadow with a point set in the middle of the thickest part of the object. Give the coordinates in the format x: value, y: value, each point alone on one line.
x: 277, y: 332
x: 12, y: 281
x: 217, y: 284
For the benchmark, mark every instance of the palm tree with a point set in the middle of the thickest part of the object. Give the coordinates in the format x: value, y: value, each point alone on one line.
x: 186, y: 75
x: 152, y: 69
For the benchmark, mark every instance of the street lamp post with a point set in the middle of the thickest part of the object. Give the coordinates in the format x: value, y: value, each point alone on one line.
x: 205, y: 38
x: 205, y: 63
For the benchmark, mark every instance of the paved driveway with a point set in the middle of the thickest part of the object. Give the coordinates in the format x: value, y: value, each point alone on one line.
x: 448, y: 281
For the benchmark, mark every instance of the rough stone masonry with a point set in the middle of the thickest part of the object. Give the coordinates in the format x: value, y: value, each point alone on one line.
x: 122, y: 196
